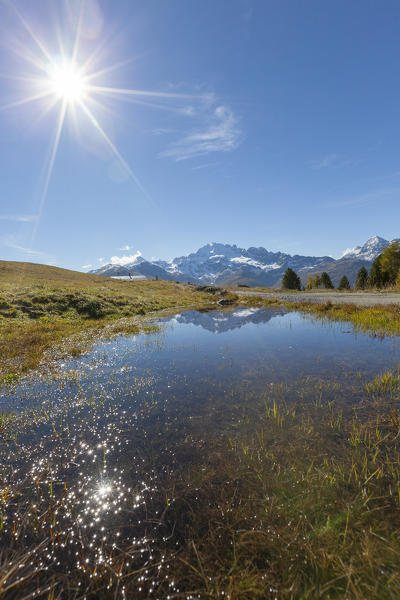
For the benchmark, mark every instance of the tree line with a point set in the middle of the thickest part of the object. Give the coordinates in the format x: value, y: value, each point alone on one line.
x: 385, y: 272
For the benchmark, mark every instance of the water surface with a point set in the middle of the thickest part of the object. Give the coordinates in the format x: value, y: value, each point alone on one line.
x: 197, y: 352
x: 89, y: 467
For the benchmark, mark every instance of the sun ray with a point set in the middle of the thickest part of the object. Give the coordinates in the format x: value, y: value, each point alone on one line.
x: 26, y: 100
x: 33, y: 35
x: 111, y: 68
x: 78, y: 33
x: 93, y: 57
x: 37, y: 61
x: 62, y: 77
x: 53, y: 154
x: 127, y: 92
x: 19, y: 78
x: 149, y: 104
x: 114, y: 149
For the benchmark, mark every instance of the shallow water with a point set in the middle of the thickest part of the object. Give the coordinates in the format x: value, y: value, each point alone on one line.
x: 196, y: 352
x: 100, y: 441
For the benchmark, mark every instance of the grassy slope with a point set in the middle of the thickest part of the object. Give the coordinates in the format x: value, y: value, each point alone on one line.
x: 41, y: 305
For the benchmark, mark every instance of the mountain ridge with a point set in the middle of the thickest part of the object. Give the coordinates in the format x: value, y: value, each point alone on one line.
x: 229, y: 264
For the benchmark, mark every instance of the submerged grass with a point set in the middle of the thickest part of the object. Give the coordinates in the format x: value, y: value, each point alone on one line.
x: 286, y: 495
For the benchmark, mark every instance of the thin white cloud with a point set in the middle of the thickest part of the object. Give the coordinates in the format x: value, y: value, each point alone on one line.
x: 370, y: 197
x: 10, y: 242
x: 86, y: 267
x: 332, y: 161
x: 220, y: 133
x: 126, y: 248
x: 205, y: 166
x: 163, y: 131
x: 25, y: 250
x: 125, y: 260
x: 323, y: 163
x: 19, y: 218
x: 189, y: 111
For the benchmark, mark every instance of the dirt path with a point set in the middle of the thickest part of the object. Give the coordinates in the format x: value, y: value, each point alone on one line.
x: 358, y: 298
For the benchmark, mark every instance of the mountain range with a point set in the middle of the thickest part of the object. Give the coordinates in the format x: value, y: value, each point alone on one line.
x: 225, y: 264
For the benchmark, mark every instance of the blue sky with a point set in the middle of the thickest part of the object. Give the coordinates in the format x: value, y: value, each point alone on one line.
x: 274, y: 124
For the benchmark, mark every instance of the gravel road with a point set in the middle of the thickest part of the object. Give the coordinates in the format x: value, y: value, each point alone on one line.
x: 358, y: 298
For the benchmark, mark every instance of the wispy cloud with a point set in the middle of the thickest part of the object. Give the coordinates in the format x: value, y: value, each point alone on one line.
x: 368, y: 198
x: 205, y: 166
x: 11, y: 242
x: 332, y: 161
x: 19, y: 218
x: 85, y: 267
x: 323, y: 163
x: 219, y: 132
x: 126, y: 248
x: 163, y: 131
x: 125, y: 260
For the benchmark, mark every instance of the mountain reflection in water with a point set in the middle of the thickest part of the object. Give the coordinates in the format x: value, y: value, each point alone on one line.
x: 222, y: 321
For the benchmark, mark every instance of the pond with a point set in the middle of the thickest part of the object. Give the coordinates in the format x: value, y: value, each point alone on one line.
x: 104, y: 462
x: 193, y: 353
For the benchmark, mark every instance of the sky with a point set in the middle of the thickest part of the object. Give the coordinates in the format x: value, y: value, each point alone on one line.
x: 157, y: 127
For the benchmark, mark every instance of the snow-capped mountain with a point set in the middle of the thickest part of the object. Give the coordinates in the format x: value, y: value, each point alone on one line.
x: 222, y: 263
x: 225, y: 264
x: 219, y: 264
x: 138, y: 266
x: 214, y: 260
x: 371, y: 249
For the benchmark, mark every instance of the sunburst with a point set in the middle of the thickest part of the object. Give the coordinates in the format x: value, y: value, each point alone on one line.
x: 71, y: 83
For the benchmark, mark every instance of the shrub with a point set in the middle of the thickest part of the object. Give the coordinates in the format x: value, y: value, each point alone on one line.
x: 90, y: 308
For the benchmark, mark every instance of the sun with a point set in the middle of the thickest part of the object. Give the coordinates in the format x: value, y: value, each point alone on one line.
x: 67, y: 83
x: 71, y: 82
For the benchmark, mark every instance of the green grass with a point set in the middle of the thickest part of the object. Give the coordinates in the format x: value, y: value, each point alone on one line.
x: 41, y: 307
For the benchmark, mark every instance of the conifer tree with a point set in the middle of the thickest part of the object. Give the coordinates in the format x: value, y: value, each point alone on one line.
x: 376, y: 278
x: 344, y: 283
x: 362, y: 279
x: 291, y: 281
x: 390, y: 262
x: 326, y: 281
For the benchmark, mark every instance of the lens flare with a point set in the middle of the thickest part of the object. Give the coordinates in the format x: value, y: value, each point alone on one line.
x: 62, y: 79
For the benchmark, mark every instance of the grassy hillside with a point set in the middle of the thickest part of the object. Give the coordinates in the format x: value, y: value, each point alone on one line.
x: 40, y: 306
